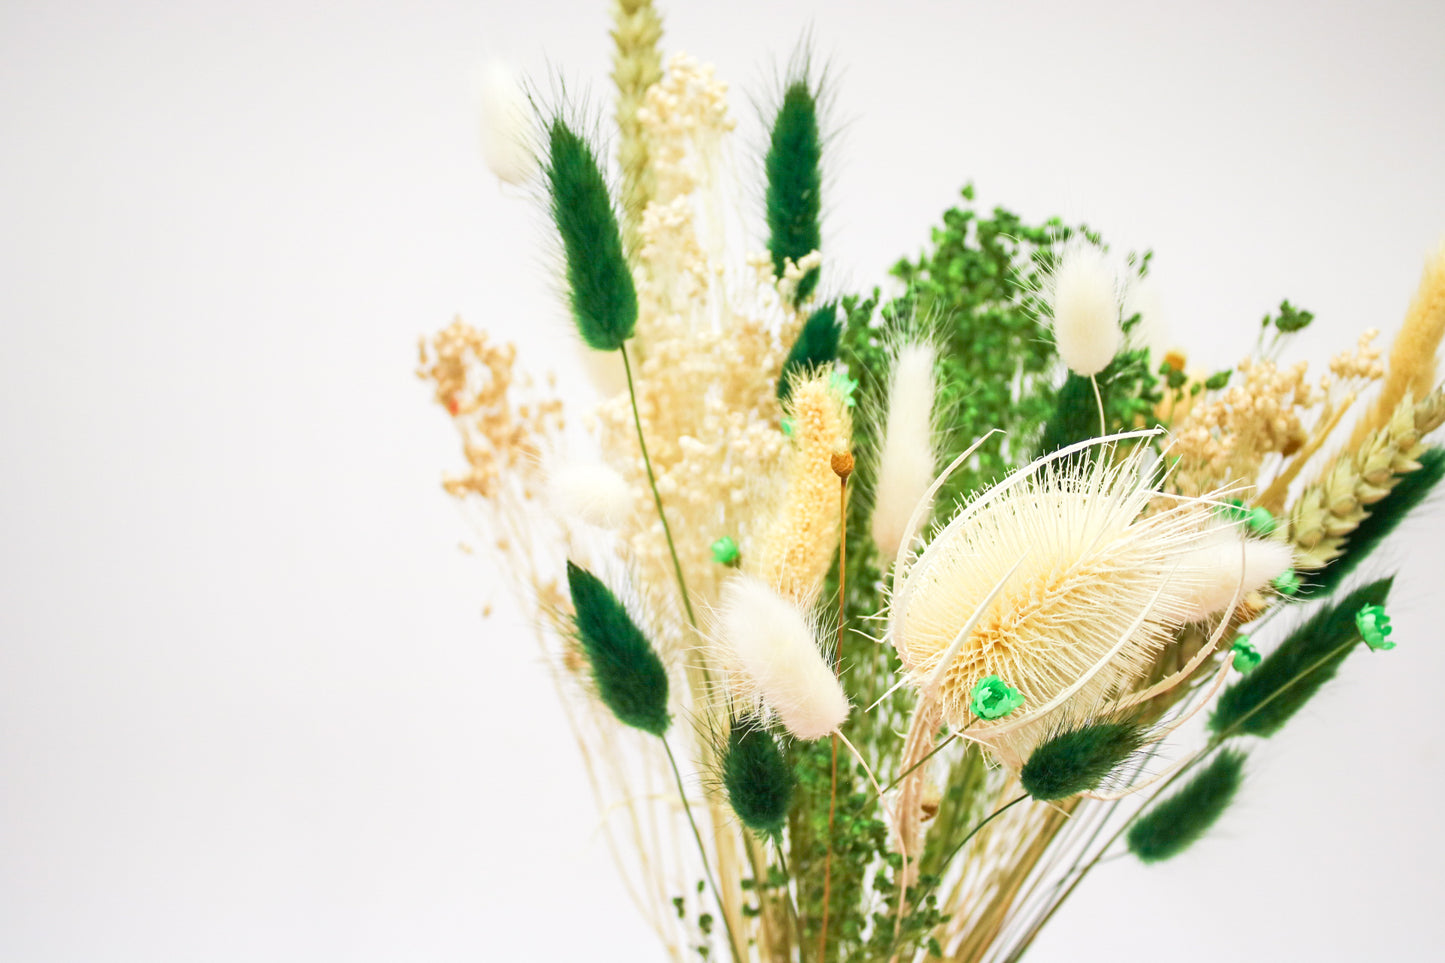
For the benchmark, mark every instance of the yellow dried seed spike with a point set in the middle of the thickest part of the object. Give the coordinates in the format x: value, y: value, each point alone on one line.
x: 795, y: 548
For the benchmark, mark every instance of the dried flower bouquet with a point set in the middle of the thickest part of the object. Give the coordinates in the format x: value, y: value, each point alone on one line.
x: 873, y: 615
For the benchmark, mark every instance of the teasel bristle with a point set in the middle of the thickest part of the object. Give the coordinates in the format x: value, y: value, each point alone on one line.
x: 1412, y: 489
x: 756, y: 776
x: 1168, y: 828
x: 602, y: 296
x: 1078, y: 759
x: 815, y: 347
x: 629, y: 675
x: 1261, y: 702
x: 794, y: 172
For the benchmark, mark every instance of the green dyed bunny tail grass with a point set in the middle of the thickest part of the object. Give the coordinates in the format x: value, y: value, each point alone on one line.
x: 630, y: 677
x: 1172, y: 826
x: 599, y: 282
x: 1077, y: 760
x: 757, y: 777
x: 816, y: 346
x: 795, y: 182
x: 1385, y: 515
x: 1263, y: 701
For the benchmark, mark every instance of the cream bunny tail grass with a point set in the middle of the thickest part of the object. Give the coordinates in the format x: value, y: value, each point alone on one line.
x: 1414, y: 358
x: 1226, y: 562
x: 589, y: 492
x: 770, y: 650
x: 1083, y: 296
x: 506, y: 118
x: 906, y: 464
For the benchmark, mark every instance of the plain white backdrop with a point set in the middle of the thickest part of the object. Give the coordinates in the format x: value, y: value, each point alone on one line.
x: 248, y: 706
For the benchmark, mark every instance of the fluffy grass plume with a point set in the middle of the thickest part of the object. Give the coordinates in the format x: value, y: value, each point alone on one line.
x: 906, y: 465
x: 630, y: 678
x: 1170, y: 827
x: 591, y: 492
x: 756, y: 776
x: 816, y: 346
x: 773, y: 655
x: 795, y: 182
x: 599, y: 282
x: 1224, y: 559
x: 505, y: 119
x: 1263, y: 701
x: 1411, y: 491
x: 1083, y: 296
x: 1078, y: 759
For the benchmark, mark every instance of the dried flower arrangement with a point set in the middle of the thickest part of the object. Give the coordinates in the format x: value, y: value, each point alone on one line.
x: 885, y: 608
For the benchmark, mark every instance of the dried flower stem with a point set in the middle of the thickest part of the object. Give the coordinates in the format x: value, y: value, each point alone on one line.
x: 656, y: 498
x: 702, y: 851
x: 838, y: 466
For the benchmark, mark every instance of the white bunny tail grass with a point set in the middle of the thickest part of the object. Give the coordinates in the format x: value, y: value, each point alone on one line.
x: 1083, y: 297
x: 769, y: 650
x: 1226, y: 564
x: 506, y: 122
x: 906, y: 463
x: 1056, y: 581
x: 590, y: 492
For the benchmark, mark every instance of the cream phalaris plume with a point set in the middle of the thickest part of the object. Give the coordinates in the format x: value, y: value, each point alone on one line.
x: 589, y: 492
x: 1225, y: 563
x: 771, y: 651
x: 505, y: 118
x: 1056, y: 580
x: 1083, y: 298
x: 906, y: 463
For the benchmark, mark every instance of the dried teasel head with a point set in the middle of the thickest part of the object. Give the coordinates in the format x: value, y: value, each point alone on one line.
x: 1060, y: 579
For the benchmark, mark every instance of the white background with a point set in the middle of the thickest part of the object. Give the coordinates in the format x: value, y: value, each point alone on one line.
x: 248, y: 707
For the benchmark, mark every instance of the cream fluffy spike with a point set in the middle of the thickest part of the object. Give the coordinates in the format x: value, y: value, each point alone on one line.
x: 794, y: 548
x: 772, y: 654
x: 1223, y: 560
x: 906, y: 464
x: 591, y: 492
x: 1089, y: 589
x: 1413, y: 356
x: 1083, y: 298
x: 505, y: 114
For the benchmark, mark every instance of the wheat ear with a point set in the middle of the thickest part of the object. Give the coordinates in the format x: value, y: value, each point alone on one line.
x: 636, y: 66
x: 1327, y: 511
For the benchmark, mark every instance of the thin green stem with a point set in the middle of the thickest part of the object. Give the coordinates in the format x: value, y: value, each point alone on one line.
x: 656, y: 498
x: 702, y: 851
x: 788, y: 889
x: 953, y: 854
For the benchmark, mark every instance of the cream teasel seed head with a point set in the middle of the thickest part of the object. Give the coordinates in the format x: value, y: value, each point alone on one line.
x: 1061, y: 580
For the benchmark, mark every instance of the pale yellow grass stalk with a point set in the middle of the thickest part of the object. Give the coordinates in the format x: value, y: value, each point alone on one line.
x: 636, y: 66
x: 1413, y: 357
